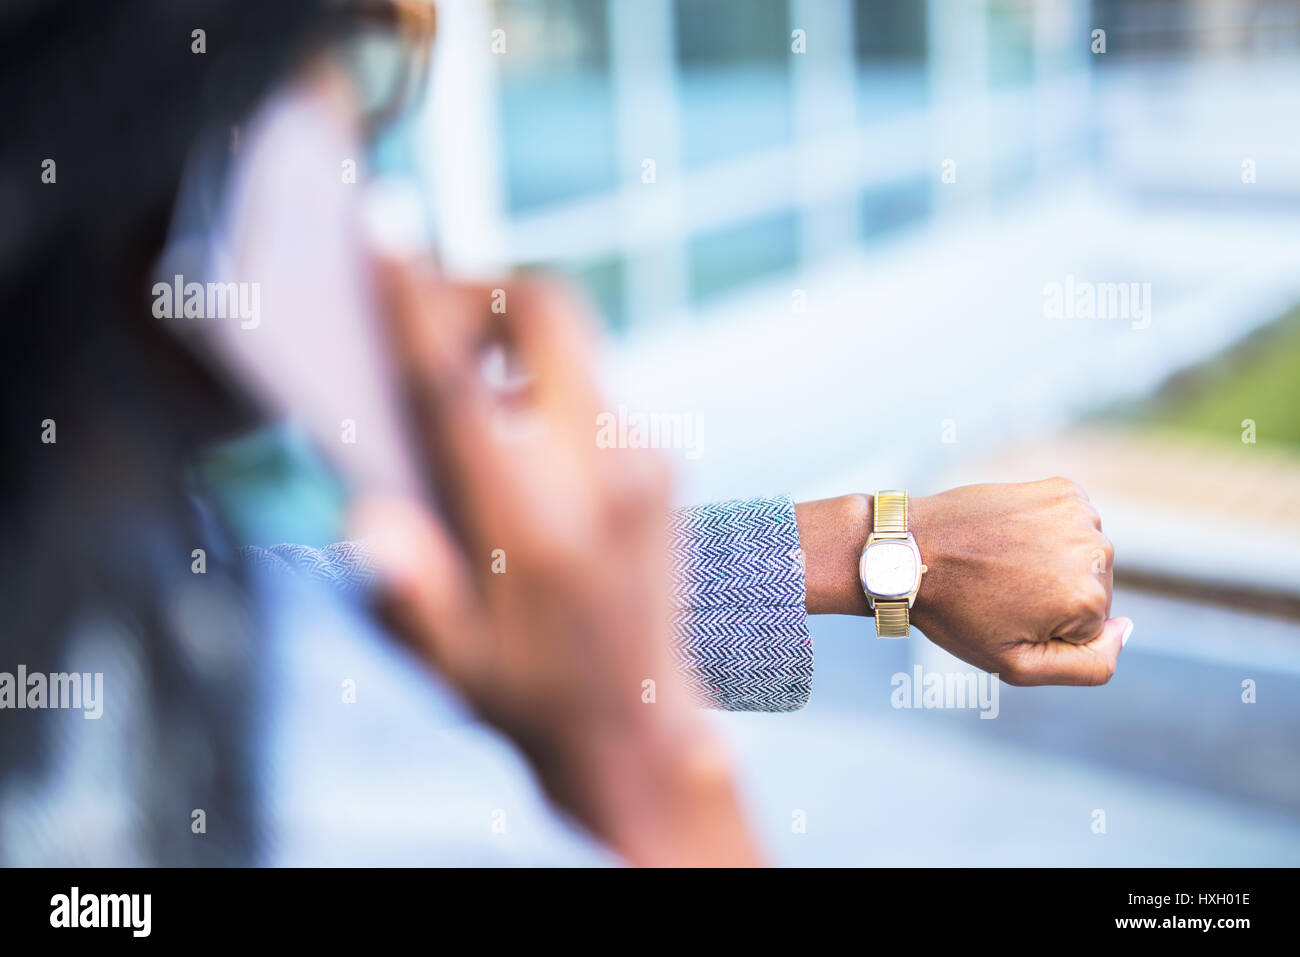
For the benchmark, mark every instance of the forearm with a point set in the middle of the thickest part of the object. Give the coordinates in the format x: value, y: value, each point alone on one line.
x: 833, y: 532
x: 740, y: 629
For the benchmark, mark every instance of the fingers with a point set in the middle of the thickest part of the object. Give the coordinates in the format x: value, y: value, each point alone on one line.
x: 1084, y: 613
x: 1103, y: 566
x: 553, y: 337
x: 442, y: 326
x: 472, y: 435
x: 1088, y: 587
x: 1085, y: 643
x: 1058, y: 662
x: 430, y: 334
x: 424, y: 592
x: 1059, y: 485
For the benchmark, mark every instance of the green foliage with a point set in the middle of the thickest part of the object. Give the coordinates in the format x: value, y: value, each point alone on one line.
x: 1257, y: 379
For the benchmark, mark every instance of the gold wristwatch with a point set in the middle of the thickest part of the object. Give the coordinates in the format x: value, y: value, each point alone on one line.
x: 890, y: 567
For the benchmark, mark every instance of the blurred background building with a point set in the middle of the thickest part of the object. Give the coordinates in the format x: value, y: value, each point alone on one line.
x: 829, y: 231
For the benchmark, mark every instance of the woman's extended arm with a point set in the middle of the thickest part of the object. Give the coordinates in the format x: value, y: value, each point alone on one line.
x: 1019, y: 584
x: 740, y: 631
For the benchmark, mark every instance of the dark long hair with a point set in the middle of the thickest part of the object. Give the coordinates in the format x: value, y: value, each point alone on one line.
x: 102, y: 104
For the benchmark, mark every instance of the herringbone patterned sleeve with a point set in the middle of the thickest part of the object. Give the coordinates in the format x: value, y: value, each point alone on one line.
x: 739, y: 622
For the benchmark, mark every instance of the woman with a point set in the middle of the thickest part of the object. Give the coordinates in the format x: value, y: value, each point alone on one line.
x: 577, y: 652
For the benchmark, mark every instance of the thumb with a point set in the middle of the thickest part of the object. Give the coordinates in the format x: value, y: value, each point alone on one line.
x: 1093, y: 662
x: 424, y: 593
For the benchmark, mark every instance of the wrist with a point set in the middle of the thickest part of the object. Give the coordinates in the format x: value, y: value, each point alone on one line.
x: 921, y: 526
x: 832, y: 534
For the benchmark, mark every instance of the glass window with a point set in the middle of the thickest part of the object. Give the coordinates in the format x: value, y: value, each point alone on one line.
x: 722, y: 260
x: 887, y: 208
x: 734, y: 59
x: 1011, y: 43
x: 557, y: 112
x: 889, y: 51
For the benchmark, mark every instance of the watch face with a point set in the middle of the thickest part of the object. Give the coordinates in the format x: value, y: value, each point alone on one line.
x: 890, y: 569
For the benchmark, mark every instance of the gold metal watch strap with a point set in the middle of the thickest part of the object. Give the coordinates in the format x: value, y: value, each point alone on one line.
x: 892, y: 620
x: 890, y: 508
x: 889, y: 520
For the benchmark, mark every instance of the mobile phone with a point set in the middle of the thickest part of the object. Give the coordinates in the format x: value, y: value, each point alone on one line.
x: 285, y: 269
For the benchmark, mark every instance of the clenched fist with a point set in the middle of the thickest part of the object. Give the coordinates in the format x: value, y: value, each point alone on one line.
x: 1019, y: 582
x: 1019, y: 579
